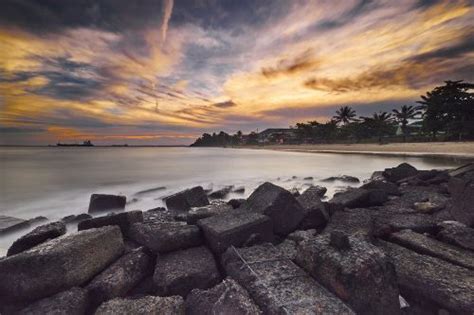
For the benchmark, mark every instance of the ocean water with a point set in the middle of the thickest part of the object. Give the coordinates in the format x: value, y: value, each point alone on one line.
x: 55, y: 182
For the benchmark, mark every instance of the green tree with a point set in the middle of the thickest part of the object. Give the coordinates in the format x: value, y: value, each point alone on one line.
x: 402, y: 116
x: 344, y: 115
x: 379, y: 124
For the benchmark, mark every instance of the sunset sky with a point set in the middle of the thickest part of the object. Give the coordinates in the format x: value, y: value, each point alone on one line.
x: 164, y: 72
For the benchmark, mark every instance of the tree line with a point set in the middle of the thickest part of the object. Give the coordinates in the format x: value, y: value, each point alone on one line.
x: 446, y: 113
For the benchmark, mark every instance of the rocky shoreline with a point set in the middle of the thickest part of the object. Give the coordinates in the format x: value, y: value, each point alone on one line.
x: 401, y: 243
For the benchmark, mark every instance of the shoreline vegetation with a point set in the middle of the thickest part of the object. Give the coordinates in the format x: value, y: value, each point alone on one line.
x: 275, y: 252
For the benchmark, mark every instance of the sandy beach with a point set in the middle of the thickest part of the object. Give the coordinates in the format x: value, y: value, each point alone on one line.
x: 463, y: 150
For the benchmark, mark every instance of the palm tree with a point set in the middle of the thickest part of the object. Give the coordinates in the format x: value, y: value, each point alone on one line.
x: 403, y: 115
x: 380, y: 123
x: 345, y: 114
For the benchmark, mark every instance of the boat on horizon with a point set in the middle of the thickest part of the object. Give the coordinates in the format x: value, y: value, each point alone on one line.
x: 86, y: 143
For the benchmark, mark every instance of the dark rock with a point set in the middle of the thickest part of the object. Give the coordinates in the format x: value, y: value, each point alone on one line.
x: 11, y: 224
x: 100, y: 202
x: 427, y: 207
x: 342, y: 178
x: 76, y: 218
x: 239, y: 190
x: 236, y: 203
x: 123, y: 220
x: 228, y: 297
x: 377, y: 176
x: 165, y: 237
x: 277, y: 285
x: 319, y: 190
x: 179, y: 272
x: 402, y: 171
x: 70, y: 260
x: 74, y: 301
x: 352, y: 198
x: 186, y: 199
x: 277, y: 203
x: 38, y: 220
x: 460, y: 171
x: 418, y: 222
x: 456, y: 234
x: 253, y: 239
x: 422, y: 277
x: 462, y: 193
x: 299, y: 236
x: 158, y: 215
x: 360, y: 274
x: 353, y: 222
x: 389, y: 187
x: 120, y: 277
x: 428, y: 246
x: 197, y: 213
x: 308, y: 178
x: 221, y: 193
x: 377, y: 197
x: 315, y: 215
x: 170, y: 305
x: 288, y: 248
x: 295, y: 192
x: 39, y: 235
x: 151, y: 190
x: 235, y: 228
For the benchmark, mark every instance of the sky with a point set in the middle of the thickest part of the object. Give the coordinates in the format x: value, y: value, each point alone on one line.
x: 163, y: 72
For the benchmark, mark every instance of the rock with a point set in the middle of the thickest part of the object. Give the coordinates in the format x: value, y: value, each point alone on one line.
x: 308, y: 178
x: 74, y: 301
x: 76, y: 218
x: 389, y: 187
x: 294, y: 191
x: 353, y: 222
x: 428, y: 246
x: 418, y: 222
x: 197, y: 213
x: 235, y: 228
x: 456, y: 233
x: 66, y: 261
x: 101, y: 202
x: 426, y: 207
x: 377, y: 176
x: 236, y: 203
x: 462, y: 193
x: 120, y: 277
x: 39, y: 235
x: 151, y: 190
x: 288, y: 248
x: 165, y: 237
x: 460, y: 171
x: 228, y: 297
x: 38, y: 220
x: 315, y: 215
x: 179, y: 272
x: 352, y: 198
x: 342, y: 178
x: 158, y: 215
x: 220, y: 193
x: 299, y: 236
x: 277, y: 203
x: 422, y: 277
x: 239, y: 190
x: 170, y: 305
x: 11, y: 224
x: 319, y: 190
x: 402, y: 171
x: 123, y: 220
x: 277, y: 285
x: 186, y: 199
x: 377, y: 197
x: 356, y: 271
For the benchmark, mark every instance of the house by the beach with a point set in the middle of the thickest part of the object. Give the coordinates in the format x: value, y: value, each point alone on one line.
x: 277, y: 135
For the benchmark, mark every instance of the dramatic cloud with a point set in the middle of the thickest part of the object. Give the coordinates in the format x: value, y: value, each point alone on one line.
x: 164, y: 71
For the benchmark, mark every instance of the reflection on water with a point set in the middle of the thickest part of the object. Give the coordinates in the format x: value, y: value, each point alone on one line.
x: 56, y: 182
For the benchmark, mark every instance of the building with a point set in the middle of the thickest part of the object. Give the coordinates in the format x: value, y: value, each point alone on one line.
x: 277, y: 135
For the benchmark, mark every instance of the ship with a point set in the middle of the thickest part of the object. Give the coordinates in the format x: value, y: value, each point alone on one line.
x: 86, y: 143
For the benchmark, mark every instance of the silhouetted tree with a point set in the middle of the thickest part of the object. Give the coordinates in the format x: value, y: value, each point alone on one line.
x: 344, y: 115
x: 403, y: 115
x: 380, y: 124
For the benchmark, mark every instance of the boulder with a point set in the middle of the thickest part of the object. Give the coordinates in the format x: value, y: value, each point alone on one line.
x: 228, y: 297
x: 462, y: 193
x: 158, y: 215
x: 427, y: 207
x: 426, y: 278
x: 221, y: 193
x: 315, y: 215
x: 389, y: 187
x: 356, y: 271
x: 277, y: 203
x: 61, y: 263
x: 74, y: 301
x: 165, y: 237
x: 351, y: 198
x: 234, y: 228
x: 236, y: 203
x: 319, y: 190
x: 76, y: 218
x: 39, y: 235
x: 456, y: 233
x: 299, y: 235
x: 170, y: 305
x: 428, y: 246
x: 288, y: 248
x: 277, y: 285
x: 418, y: 222
x: 353, y: 222
x: 342, y: 178
x: 101, y: 202
x: 460, y: 171
x: 122, y: 220
x: 11, y: 224
x: 238, y: 190
x: 294, y: 191
x: 400, y: 172
x: 186, y: 199
x: 150, y: 190
x: 197, y: 213
x: 120, y: 277
x: 179, y: 272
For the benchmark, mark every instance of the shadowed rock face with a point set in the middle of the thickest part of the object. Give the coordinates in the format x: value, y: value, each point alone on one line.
x: 197, y: 213
x: 456, y: 233
x: 171, y: 305
x: 59, y: 264
x: 356, y: 271
x: 423, y: 277
x: 402, y: 171
x: 228, y: 297
x: 315, y: 215
x: 389, y: 187
x: 100, y: 202
x: 37, y: 236
x: 73, y: 301
x: 462, y: 193
x: 186, y: 199
x: 123, y: 220
x: 278, y: 204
